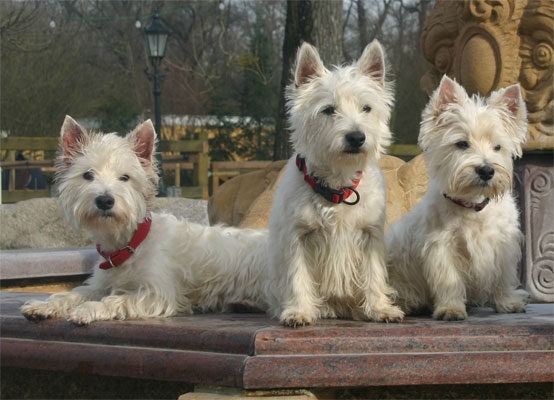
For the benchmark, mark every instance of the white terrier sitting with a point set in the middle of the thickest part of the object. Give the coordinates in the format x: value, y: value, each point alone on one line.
x: 155, y: 264
x: 327, y: 259
x: 461, y: 245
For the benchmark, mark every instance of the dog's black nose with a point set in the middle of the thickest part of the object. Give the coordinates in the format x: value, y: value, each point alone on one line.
x: 355, y: 138
x: 485, y: 172
x: 104, y: 202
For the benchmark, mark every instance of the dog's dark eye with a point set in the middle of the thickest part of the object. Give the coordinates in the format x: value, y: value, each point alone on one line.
x: 329, y: 110
x: 366, y: 109
x: 89, y: 176
x: 462, y: 145
x: 497, y: 147
x: 124, y: 178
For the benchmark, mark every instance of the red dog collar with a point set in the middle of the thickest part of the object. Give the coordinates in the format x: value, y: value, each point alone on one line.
x: 476, y: 206
x: 120, y: 256
x: 336, y: 196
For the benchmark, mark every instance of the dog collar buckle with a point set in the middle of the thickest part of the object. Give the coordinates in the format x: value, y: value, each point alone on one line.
x: 329, y: 194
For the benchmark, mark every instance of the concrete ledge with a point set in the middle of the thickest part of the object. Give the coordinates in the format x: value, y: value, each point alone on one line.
x: 45, y: 263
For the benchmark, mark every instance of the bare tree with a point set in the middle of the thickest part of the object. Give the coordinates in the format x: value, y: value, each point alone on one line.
x: 408, y: 65
x: 219, y: 61
x: 17, y: 21
x: 317, y: 22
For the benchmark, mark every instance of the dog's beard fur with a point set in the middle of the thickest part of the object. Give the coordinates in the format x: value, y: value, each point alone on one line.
x: 179, y: 266
x: 445, y: 256
x: 328, y: 260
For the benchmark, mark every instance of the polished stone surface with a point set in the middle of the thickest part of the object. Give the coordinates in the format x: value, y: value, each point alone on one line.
x: 253, y: 352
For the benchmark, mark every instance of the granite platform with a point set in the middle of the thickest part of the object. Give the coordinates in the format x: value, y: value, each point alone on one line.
x: 250, y: 351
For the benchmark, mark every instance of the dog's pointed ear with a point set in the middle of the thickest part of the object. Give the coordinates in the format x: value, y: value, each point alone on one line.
x: 72, y: 137
x: 372, y: 62
x: 143, y: 140
x: 449, y: 92
x: 308, y: 65
x: 510, y: 98
x: 510, y: 102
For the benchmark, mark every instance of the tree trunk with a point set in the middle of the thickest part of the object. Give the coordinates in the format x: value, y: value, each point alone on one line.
x: 316, y: 22
x: 327, y: 30
x: 363, y: 30
x: 297, y: 29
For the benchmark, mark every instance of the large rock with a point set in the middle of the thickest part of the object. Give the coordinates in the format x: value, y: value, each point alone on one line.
x: 407, y: 182
x: 233, y: 199
x: 240, y: 201
x: 39, y: 223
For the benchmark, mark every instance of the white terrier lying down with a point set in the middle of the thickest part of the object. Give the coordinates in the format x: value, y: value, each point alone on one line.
x: 155, y: 264
x: 327, y: 259
x: 461, y: 245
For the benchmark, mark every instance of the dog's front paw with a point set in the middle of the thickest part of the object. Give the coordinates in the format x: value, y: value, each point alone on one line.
x: 388, y: 314
x: 295, y: 319
x: 88, y: 312
x: 512, y: 307
x: 327, y: 312
x: 513, y: 303
x: 36, y: 310
x: 450, y: 313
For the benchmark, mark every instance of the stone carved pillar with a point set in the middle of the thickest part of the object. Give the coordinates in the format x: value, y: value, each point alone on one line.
x: 489, y: 44
x: 534, y: 187
x: 536, y: 74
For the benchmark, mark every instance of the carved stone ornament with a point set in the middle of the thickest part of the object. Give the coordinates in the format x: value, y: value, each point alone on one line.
x: 534, y: 182
x: 489, y: 44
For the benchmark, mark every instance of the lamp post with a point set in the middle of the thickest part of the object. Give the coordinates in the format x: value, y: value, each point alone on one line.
x: 155, y: 36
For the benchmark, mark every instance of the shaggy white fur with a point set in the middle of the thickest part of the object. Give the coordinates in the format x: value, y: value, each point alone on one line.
x: 179, y: 267
x: 443, y: 255
x: 327, y: 260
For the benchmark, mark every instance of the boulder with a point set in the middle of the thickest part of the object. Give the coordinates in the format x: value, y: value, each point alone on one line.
x: 39, y: 223
x: 242, y: 202
x: 233, y: 199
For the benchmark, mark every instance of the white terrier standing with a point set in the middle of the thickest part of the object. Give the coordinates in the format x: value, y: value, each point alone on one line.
x: 461, y: 245
x: 327, y: 252
x: 155, y: 264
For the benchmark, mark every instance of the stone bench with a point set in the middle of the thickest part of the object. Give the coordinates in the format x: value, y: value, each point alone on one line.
x: 249, y: 351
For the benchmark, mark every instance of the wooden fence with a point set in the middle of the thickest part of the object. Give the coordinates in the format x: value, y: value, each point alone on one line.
x: 222, y: 171
x: 196, y: 152
x: 185, y: 155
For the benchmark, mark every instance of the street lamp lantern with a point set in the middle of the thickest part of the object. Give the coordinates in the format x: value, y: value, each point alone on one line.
x: 155, y: 37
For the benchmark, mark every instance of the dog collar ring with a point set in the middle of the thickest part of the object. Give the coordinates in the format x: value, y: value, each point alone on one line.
x: 109, y: 259
x: 351, y: 203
